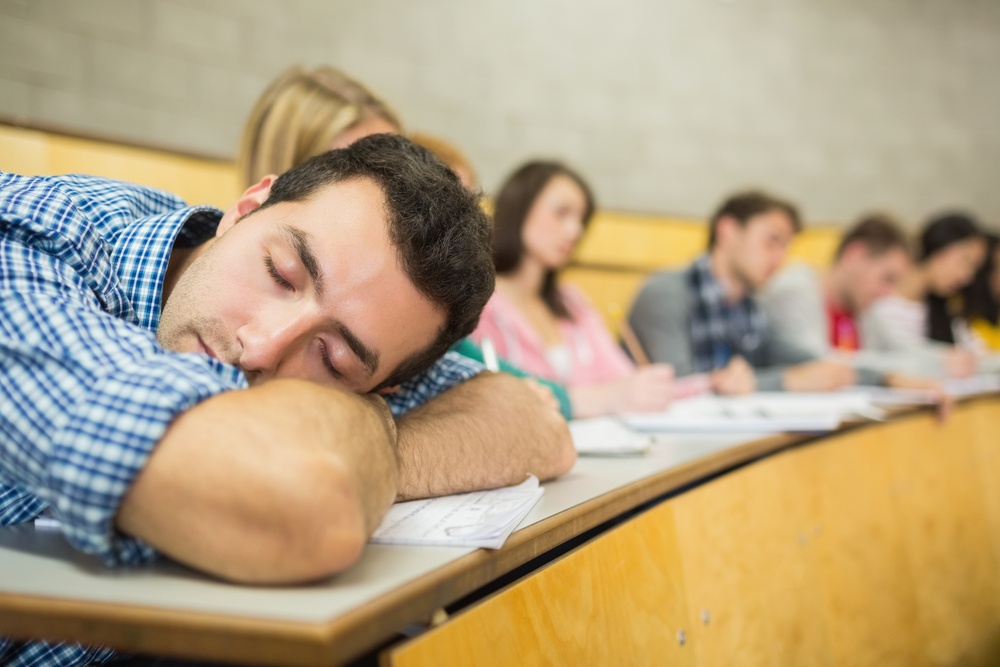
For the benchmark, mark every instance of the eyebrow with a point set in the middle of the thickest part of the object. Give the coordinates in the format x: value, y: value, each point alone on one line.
x: 303, y: 247
x: 369, y: 357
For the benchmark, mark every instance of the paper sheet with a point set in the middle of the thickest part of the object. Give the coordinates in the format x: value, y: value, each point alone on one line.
x: 607, y: 436
x: 756, y: 413
x: 478, y: 519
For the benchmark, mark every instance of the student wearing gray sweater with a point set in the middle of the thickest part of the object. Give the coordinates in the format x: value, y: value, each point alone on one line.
x: 706, y: 318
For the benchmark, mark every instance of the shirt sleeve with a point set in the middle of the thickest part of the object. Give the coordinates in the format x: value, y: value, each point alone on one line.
x: 659, y: 319
x: 795, y: 311
x: 449, y: 371
x: 84, y: 399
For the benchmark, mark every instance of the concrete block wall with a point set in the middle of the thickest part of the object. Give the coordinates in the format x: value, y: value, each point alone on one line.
x: 842, y: 105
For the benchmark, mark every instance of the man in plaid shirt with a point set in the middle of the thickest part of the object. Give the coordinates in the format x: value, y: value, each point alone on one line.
x: 172, y: 378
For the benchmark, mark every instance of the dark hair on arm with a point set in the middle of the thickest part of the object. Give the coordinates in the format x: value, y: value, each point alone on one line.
x: 745, y: 205
x: 440, y: 232
x: 878, y: 232
x: 514, y: 201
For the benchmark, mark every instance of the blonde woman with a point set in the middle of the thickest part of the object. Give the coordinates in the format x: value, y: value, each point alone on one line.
x: 305, y: 113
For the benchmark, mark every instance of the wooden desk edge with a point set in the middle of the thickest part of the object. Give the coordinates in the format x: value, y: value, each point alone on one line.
x: 139, y: 629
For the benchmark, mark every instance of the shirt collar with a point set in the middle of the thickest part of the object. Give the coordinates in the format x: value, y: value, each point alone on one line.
x: 711, y: 288
x: 141, y: 254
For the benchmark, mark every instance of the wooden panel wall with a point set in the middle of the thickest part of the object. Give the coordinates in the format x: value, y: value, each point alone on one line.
x: 878, y: 546
x: 196, y: 180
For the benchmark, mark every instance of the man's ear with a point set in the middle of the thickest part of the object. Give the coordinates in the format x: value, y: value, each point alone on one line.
x: 385, y: 391
x: 251, y: 200
x: 726, y: 227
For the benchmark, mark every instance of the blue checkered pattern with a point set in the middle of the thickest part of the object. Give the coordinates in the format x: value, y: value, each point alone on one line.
x: 85, y: 390
x: 719, y: 330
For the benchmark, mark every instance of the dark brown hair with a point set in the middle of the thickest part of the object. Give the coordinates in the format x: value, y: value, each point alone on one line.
x: 878, y: 232
x: 440, y: 232
x: 978, y: 300
x: 939, y: 233
x: 513, y: 203
x: 745, y: 205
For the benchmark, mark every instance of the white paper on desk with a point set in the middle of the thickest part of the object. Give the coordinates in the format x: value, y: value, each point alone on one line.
x: 478, y: 519
x: 958, y: 388
x: 977, y: 384
x: 755, y: 413
x: 607, y: 436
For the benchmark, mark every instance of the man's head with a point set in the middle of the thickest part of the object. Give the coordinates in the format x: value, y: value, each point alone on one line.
x: 359, y: 267
x: 750, y: 234
x: 873, y: 256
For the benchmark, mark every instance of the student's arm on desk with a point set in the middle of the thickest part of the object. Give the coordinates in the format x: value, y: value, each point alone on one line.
x: 488, y: 432
x: 283, y: 482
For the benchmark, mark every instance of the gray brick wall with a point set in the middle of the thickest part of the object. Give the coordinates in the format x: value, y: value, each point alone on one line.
x: 844, y: 105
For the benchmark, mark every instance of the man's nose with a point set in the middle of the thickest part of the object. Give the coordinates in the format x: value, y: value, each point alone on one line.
x: 266, y: 344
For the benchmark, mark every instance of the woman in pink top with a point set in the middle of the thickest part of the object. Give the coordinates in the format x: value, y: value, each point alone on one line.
x: 551, y: 330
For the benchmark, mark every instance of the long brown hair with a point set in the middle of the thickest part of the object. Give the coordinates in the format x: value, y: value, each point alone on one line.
x: 513, y: 203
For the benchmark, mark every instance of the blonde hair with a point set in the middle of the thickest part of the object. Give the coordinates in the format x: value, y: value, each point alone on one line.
x: 448, y: 153
x: 300, y: 115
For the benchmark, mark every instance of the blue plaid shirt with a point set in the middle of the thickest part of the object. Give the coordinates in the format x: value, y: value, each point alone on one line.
x: 720, y: 330
x: 86, y: 391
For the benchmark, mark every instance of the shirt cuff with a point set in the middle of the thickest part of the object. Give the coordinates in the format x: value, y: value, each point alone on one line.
x: 449, y: 371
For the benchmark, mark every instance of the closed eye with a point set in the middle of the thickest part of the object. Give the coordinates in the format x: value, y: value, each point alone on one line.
x: 327, y: 363
x: 272, y: 270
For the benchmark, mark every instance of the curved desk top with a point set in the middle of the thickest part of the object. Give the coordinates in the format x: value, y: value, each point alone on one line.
x: 49, y: 590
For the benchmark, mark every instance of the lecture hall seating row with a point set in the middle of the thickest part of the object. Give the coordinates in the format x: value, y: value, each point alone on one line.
x: 618, y: 252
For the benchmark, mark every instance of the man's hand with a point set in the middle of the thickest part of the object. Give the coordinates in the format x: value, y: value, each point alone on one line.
x: 944, y: 401
x: 543, y: 393
x: 490, y: 431
x: 819, y: 376
x: 737, y: 377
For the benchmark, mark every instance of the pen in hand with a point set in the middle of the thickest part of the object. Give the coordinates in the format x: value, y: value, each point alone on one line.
x: 490, y: 359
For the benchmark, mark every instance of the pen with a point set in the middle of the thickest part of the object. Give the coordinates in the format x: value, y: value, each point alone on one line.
x: 490, y: 359
x: 630, y: 339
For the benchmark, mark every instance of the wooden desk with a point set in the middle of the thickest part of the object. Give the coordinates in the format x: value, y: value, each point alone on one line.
x: 878, y: 544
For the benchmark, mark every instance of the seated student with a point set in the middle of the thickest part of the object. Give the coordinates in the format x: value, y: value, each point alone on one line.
x: 157, y: 360
x: 548, y: 329
x: 307, y: 112
x: 981, y: 298
x: 819, y: 312
x: 460, y: 164
x: 304, y: 113
x: 917, y: 317
x: 706, y: 318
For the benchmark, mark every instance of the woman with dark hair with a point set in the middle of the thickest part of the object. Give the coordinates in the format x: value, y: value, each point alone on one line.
x: 950, y: 250
x: 981, y: 299
x: 547, y: 328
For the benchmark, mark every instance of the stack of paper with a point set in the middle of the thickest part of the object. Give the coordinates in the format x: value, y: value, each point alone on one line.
x: 478, y: 519
x: 977, y: 384
x: 607, y: 436
x: 957, y: 388
x: 755, y: 413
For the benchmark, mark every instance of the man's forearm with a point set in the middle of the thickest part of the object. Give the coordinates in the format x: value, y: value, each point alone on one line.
x: 488, y: 432
x: 283, y: 482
